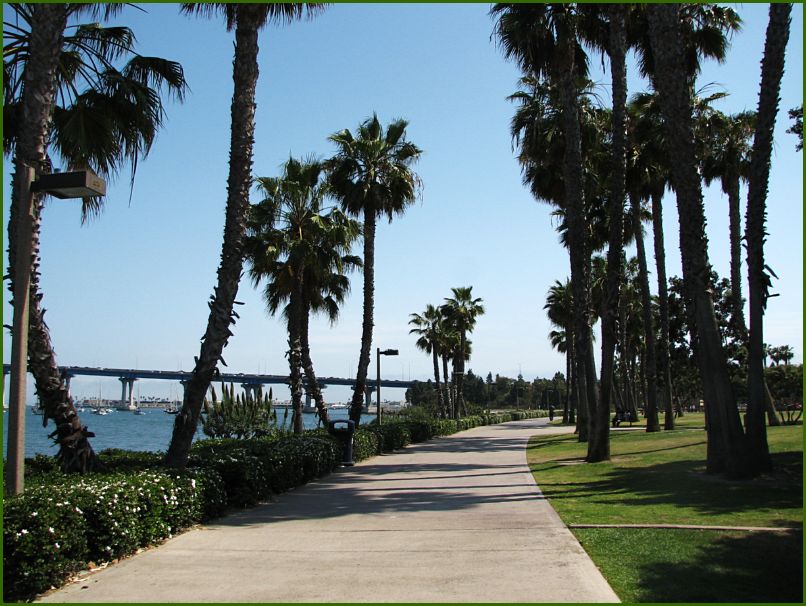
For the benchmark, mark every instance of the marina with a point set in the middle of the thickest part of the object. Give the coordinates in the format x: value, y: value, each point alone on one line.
x: 149, y: 430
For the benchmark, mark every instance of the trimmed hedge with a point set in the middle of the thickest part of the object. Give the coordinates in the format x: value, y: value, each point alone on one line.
x: 63, y: 524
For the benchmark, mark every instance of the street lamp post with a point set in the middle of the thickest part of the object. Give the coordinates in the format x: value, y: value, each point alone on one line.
x: 385, y: 352
x: 62, y: 185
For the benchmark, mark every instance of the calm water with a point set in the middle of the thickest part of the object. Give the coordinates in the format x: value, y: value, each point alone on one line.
x: 150, y: 431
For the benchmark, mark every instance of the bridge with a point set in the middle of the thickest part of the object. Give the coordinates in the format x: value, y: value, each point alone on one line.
x: 249, y: 381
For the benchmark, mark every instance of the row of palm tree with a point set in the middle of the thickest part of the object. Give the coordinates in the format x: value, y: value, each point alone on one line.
x: 114, y: 119
x: 635, y: 152
x: 442, y: 332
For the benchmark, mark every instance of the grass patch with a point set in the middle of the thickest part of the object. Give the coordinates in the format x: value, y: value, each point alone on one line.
x: 660, y: 478
x: 647, y: 565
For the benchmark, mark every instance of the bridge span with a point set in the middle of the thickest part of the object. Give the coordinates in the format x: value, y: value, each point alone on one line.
x: 249, y: 381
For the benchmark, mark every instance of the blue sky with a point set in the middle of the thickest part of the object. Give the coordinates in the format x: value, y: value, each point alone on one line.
x: 130, y: 288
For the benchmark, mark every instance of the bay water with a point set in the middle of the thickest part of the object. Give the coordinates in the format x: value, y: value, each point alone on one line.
x: 150, y: 431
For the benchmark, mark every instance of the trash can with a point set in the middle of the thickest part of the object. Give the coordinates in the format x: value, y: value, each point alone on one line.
x: 343, y: 429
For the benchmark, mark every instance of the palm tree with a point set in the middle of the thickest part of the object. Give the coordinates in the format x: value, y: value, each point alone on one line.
x: 559, y: 311
x: 246, y: 20
x: 371, y: 176
x: 47, y: 27
x: 428, y: 326
x: 103, y: 116
x: 542, y: 39
x: 649, y: 174
x: 447, y: 343
x: 461, y: 311
x: 726, y: 445
x: 609, y: 34
x: 727, y: 158
x: 303, y: 254
x: 772, y: 69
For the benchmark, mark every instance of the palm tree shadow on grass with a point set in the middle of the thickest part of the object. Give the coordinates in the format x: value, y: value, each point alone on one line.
x: 683, y: 484
x: 756, y: 567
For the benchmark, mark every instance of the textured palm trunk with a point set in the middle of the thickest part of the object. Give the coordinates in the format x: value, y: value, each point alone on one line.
x: 577, y: 232
x: 665, y: 375
x: 650, y: 371
x: 440, y: 400
x: 772, y: 69
x: 307, y: 365
x: 731, y: 187
x: 75, y: 451
x: 599, y: 443
x: 48, y: 22
x: 447, y: 387
x: 245, y: 75
x: 459, y: 408
x: 568, y: 388
x: 295, y: 356
x: 727, y: 445
x: 369, y: 308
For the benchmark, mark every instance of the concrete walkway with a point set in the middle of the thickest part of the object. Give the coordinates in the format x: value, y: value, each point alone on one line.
x: 456, y: 519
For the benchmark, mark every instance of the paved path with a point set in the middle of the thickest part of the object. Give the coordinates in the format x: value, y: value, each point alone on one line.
x: 456, y: 519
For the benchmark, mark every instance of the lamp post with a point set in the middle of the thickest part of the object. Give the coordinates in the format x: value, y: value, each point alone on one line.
x: 61, y: 185
x: 385, y: 352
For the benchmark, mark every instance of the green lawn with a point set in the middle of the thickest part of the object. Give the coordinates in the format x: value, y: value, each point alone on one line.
x: 659, y: 479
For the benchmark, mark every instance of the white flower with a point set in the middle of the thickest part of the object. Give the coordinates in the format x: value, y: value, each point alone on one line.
x: 79, y: 511
x: 50, y: 530
x: 57, y: 545
x: 23, y: 531
x: 34, y: 514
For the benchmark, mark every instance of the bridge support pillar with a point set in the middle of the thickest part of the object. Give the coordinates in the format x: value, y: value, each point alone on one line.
x: 127, y: 402
x: 309, y: 407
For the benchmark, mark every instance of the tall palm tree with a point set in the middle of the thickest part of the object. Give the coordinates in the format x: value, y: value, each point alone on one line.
x: 427, y: 326
x: 542, y: 39
x: 726, y: 445
x: 303, y: 254
x: 649, y: 174
x: 727, y: 158
x: 559, y: 311
x: 47, y: 27
x: 371, y: 176
x: 772, y: 69
x: 447, y: 343
x: 103, y: 117
x: 605, y: 27
x: 461, y: 312
x: 246, y: 20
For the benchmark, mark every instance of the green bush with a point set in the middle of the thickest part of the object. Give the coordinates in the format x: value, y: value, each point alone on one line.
x: 44, y: 541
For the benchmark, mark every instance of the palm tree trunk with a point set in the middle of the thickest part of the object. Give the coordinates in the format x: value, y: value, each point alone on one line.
x: 48, y: 22
x: 729, y: 452
x: 460, y: 374
x: 567, y: 403
x: 650, y: 366
x: 75, y: 451
x: 599, y: 444
x: 665, y: 391
x: 737, y: 303
x: 245, y: 76
x: 307, y: 365
x: 575, y: 218
x: 440, y: 399
x: 369, y: 307
x: 295, y: 356
x: 772, y: 69
x: 447, y: 387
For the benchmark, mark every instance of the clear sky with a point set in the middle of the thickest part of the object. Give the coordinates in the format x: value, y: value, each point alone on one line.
x: 130, y: 288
